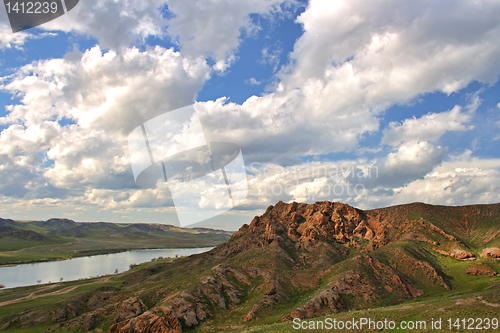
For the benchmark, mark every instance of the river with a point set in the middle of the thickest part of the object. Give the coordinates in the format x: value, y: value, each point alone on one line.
x: 84, y: 267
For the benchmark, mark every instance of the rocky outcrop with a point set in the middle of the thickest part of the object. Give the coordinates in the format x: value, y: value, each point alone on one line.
x: 461, y: 254
x: 130, y: 308
x: 327, y: 298
x: 374, y: 278
x: 159, y: 320
x: 479, y: 268
x: 492, y: 252
x: 480, y: 271
x: 26, y: 318
x: 188, y: 309
x: 305, y: 227
x: 218, y: 290
x: 366, y: 282
x: 441, y: 232
x: 271, y: 297
x: 441, y: 252
x: 184, y: 309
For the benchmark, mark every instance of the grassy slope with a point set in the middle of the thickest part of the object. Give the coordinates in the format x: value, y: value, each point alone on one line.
x: 470, y: 296
x: 147, y: 281
x: 475, y: 225
x: 468, y: 305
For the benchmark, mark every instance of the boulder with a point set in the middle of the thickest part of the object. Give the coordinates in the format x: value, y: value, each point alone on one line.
x: 492, y: 252
x: 461, y: 254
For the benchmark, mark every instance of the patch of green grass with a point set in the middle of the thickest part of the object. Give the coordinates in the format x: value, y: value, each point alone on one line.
x: 14, y: 244
x: 82, y: 286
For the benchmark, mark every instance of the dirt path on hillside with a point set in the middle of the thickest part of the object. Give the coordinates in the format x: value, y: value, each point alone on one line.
x: 57, y: 292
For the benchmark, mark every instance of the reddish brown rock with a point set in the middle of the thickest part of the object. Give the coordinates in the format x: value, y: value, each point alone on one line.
x: 441, y: 252
x: 312, y: 308
x: 461, y: 254
x: 189, y: 309
x: 450, y: 237
x: 162, y: 320
x: 130, y: 308
x: 493, y: 252
x: 480, y: 271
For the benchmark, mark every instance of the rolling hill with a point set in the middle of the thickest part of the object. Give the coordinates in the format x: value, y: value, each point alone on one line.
x: 299, y: 261
x: 55, y: 239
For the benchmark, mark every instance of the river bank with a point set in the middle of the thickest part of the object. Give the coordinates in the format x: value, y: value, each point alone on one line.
x: 86, y: 253
x: 86, y: 267
x: 61, y: 239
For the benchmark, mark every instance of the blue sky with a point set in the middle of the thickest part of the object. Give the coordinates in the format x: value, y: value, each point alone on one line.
x: 332, y: 88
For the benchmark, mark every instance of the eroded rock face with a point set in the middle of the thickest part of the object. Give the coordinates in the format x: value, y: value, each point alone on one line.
x: 218, y: 290
x: 327, y: 298
x: 160, y: 320
x: 130, y: 308
x: 185, y: 309
x: 440, y: 231
x: 492, y: 252
x: 189, y: 309
x: 305, y: 227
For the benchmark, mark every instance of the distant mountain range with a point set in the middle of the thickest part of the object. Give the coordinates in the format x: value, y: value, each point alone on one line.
x: 70, y: 228
x: 62, y: 238
x: 302, y: 261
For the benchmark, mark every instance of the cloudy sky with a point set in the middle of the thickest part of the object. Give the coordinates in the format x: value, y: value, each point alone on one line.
x: 368, y: 103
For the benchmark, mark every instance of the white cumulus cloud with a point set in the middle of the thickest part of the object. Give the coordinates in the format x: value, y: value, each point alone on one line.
x: 429, y: 127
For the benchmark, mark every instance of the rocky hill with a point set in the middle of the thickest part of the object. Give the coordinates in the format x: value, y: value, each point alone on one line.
x: 299, y: 261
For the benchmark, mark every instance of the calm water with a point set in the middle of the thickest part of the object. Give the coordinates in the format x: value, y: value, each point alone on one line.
x: 84, y: 267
